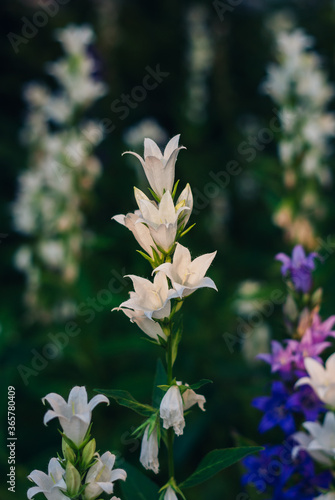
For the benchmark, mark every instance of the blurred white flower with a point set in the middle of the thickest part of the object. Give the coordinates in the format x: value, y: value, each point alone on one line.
x: 101, y: 476
x: 149, y: 127
x: 186, y: 275
x: 149, y: 450
x: 321, y: 379
x: 172, y: 410
x: 51, y: 484
x: 75, y: 415
x: 320, y: 440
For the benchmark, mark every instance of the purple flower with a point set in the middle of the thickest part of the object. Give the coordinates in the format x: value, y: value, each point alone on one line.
x: 305, y: 401
x: 276, y: 410
x: 266, y: 470
x: 280, y: 359
x: 310, y: 483
x: 306, y: 348
x: 299, y: 267
x: 320, y: 331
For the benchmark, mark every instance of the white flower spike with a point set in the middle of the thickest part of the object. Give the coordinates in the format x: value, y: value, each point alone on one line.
x: 186, y: 275
x: 321, y: 379
x: 149, y: 451
x: 159, y: 168
x: 51, y: 484
x: 172, y: 410
x: 101, y: 476
x: 152, y: 299
x: 75, y: 415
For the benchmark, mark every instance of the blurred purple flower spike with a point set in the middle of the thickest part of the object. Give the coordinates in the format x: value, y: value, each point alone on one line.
x: 299, y: 266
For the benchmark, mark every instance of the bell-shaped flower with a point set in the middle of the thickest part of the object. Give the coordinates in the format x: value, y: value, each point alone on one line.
x: 149, y: 450
x: 191, y: 398
x: 304, y: 440
x: 170, y: 494
x: 162, y: 220
x: 186, y: 275
x: 172, y: 410
x: 147, y: 325
x: 101, y: 476
x: 75, y: 415
x: 185, y: 200
x: 140, y: 231
x: 153, y: 299
x: 321, y: 379
x: 51, y: 484
x: 159, y: 168
x: 321, y: 437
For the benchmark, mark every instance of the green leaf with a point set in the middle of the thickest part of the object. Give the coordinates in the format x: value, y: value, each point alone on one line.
x: 199, y: 384
x: 124, y: 398
x: 160, y: 379
x: 175, y: 343
x: 216, y: 461
x: 137, y: 486
x: 156, y: 197
x: 175, y: 189
x: 145, y: 256
x: 187, y: 230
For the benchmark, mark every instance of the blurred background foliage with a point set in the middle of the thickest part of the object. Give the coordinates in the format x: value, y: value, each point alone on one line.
x: 109, y: 351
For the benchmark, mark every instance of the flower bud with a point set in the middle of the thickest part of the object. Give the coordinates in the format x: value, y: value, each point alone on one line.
x: 88, y: 453
x: 72, y: 479
x: 68, y: 452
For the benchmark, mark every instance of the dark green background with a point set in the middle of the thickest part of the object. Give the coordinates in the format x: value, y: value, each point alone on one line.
x: 109, y: 351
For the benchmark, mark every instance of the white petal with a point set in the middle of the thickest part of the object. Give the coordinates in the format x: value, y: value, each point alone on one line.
x: 151, y: 149
x: 120, y: 219
x: 171, y: 146
x: 33, y: 491
x: 118, y: 474
x: 315, y: 371
x: 58, y: 404
x: 78, y: 399
x: 200, y: 266
x: 100, y: 398
x: 41, y: 479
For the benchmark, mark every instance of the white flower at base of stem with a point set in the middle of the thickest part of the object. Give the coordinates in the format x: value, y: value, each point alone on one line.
x: 149, y: 450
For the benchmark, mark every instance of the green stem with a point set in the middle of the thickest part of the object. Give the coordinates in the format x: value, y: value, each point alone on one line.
x: 170, y: 432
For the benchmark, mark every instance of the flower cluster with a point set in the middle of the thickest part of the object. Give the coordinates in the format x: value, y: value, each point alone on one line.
x: 82, y: 473
x: 299, y: 88
x: 158, y: 225
x: 61, y: 171
x: 296, y: 398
